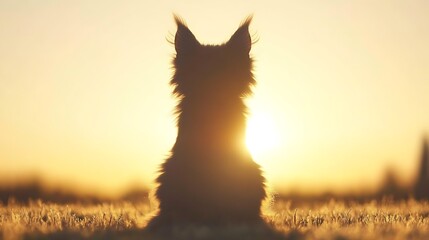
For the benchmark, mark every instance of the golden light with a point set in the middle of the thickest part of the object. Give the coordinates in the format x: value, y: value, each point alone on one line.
x: 261, y: 134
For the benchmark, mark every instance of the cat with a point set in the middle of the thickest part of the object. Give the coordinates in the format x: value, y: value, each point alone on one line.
x: 210, y: 177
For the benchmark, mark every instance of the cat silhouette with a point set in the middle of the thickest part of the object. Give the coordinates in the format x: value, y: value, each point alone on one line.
x: 210, y: 176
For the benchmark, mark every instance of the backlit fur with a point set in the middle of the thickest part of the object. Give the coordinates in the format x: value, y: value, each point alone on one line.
x: 210, y: 177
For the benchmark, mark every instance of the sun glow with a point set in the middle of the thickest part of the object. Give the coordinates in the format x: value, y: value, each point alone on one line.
x: 261, y: 135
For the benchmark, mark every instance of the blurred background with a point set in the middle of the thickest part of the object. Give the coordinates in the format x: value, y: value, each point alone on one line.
x: 340, y: 108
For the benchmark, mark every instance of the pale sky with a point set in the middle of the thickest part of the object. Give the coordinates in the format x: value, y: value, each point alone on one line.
x: 84, y: 95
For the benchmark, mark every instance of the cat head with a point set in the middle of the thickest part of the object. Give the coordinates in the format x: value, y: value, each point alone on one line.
x: 215, y: 71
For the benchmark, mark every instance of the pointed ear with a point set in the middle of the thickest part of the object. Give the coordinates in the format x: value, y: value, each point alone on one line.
x: 241, y: 39
x: 184, y: 41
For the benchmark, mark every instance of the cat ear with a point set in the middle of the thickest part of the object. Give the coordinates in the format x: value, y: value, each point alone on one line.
x: 241, y: 39
x: 184, y: 41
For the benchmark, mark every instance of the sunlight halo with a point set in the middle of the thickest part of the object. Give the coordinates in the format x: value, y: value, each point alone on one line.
x: 261, y: 135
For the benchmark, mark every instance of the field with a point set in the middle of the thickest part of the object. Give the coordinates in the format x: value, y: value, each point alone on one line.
x: 328, y: 220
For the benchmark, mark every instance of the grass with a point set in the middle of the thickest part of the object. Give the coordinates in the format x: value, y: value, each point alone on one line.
x: 329, y: 220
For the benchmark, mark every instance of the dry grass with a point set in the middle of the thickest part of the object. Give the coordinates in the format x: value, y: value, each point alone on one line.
x: 331, y: 220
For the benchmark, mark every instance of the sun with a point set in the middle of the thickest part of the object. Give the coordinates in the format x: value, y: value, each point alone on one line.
x: 261, y: 135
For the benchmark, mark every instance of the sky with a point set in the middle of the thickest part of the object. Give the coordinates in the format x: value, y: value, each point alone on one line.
x: 342, y: 93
